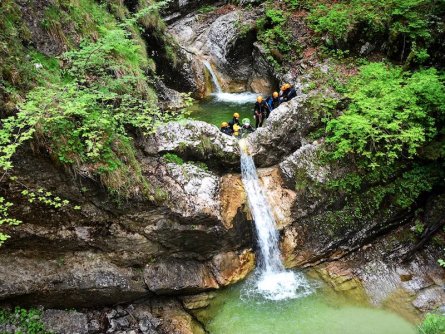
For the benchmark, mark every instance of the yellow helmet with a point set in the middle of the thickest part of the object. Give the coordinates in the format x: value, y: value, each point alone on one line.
x: 224, y: 124
x: 275, y: 94
x: 259, y: 99
x: 286, y: 86
x: 236, y: 115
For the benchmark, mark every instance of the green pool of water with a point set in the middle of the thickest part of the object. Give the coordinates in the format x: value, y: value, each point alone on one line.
x: 318, y: 313
x: 221, y: 107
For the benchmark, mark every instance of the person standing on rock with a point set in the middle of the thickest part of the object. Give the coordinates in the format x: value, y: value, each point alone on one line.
x: 235, y: 120
x: 260, y: 111
x: 275, y: 100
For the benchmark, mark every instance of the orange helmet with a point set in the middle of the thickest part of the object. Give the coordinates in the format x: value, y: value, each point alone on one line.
x: 286, y: 86
x: 275, y: 94
x: 259, y: 99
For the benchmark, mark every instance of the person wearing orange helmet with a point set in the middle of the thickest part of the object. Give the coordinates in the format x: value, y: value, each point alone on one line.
x: 261, y: 111
x: 225, y: 128
x: 288, y: 92
x: 275, y: 100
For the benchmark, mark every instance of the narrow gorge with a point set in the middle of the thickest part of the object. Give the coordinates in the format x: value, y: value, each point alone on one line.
x: 125, y: 209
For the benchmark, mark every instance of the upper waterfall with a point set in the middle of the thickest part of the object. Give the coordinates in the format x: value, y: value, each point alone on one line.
x: 213, y: 76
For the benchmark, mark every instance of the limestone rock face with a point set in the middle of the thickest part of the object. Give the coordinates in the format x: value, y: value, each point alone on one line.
x: 65, y: 322
x: 69, y: 281
x: 173, y: 277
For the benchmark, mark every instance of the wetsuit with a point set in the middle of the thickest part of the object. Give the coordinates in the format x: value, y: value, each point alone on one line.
x: 260, y: 111
x: 226, y: 130
x: 247, y: 128
x: 233, y: 122
x: 275, y: 103
x: 288, y: 94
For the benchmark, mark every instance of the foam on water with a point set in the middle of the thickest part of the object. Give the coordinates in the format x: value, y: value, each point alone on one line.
x: 239, y: 98
x: 272, y: 281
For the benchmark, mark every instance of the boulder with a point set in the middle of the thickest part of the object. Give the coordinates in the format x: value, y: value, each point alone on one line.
x: 283, y: 132
x: 194, y: 140
x: 229, y: 268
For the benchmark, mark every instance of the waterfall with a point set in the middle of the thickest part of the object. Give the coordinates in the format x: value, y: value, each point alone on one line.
x: 214, y: 77
x: 272, y: 280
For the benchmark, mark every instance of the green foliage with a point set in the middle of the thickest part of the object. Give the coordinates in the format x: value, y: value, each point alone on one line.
x: 24, y: 321
x: 432, y: 324
x: 274, y: 34
x: 206, y: 9
x: 173, y: 158
x: 392, y: 114
x: 336, y: 20
x: 410, y: 26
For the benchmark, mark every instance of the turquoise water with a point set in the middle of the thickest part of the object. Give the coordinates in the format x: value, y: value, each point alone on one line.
x: 220, y: 108
x: 320, y: 313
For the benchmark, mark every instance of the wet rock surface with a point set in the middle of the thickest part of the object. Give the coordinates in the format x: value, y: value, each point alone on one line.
x: 217, y: 37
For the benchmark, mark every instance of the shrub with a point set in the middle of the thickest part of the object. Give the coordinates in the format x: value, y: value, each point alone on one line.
x: 23, y: 321
x: 432, y: 324
x: 173, y: 158
x: 392, y: 114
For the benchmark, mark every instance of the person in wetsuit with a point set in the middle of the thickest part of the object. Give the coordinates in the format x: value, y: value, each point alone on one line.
x: 275, y: 100
x: 235, y: 120
x: 225, y: 128
x: 288, y: 92
x: 260, y: 111
x: 247, y: 127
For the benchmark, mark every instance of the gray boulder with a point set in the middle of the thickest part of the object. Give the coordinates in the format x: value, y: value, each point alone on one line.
x: 194, y: 140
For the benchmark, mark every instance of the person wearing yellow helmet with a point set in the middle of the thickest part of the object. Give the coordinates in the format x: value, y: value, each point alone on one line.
x: 288, y: 92
x: 275, y: 100
x: 236, y: 130
x: 261, y: 111
x: 235, y: 120
x: 225, y: 128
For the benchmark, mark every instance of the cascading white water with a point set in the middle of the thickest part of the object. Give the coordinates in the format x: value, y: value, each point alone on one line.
x: 214, y: 77
x: 272, y: 280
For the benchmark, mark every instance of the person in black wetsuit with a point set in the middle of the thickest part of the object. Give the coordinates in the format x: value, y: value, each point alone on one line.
x: 275, y: 100
x: 260, y: 111
x: 235, y: 120
x: 225, y: 128
x: 288, y: 92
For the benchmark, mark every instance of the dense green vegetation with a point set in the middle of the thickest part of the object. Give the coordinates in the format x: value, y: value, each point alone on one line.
x: 412, y: 29
x: 22, y: 321
x: 83, y: 106
x: 432, y: 324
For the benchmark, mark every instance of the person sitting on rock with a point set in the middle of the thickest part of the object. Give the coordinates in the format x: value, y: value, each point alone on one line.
x: 235, y: 120
x: 260, y: 111
x: 225, y: 128
x: 246, y: 128
x: 288, y: 92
